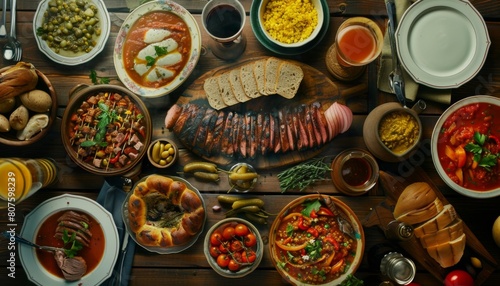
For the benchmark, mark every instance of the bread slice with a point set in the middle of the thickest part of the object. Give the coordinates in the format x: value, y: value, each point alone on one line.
x: 237, y: 86
x: 225, y: 89
x: 259, y: 73
x: 289, y: 78
x: 423, y: 214
x: 248, y: 81
x: 415, y: 196
x: 272, y: 65
x: 214, y: 97
x: 448, y: 253
x: 443, y: 219
x: 449, y: 233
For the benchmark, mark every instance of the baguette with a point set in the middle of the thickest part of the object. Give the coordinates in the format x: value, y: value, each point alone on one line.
x: 448, y: 253
x: 443, y: 219
x: 449, y: 233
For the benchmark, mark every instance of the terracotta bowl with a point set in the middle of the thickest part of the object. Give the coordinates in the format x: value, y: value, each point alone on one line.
x: 372, y: 136
x: 83, y: 93
x: 9, y: 138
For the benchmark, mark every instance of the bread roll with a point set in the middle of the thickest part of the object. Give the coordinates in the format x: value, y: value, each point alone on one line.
x: 17, y: 80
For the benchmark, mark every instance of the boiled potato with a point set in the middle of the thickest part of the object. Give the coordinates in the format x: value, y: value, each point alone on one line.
x: 4, y: 124
x: 35, y: 124
x: 36, y: 100
x: 6, y: 105
x: 19, y: 118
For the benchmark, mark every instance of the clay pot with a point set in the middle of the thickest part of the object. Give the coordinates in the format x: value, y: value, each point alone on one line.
x: 371, y: 133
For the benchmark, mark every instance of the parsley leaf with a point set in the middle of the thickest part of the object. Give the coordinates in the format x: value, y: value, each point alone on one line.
x: 161, y: 51
x: 481, y: 155
x: 310, y: 206
x: 75, y: 244
x: 150, y: 61
x: 313, y: 249
x: 289, y: 230
x: 96, y: 79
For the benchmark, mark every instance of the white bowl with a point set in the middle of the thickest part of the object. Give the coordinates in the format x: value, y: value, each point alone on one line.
x: 179, y: 76
x: 437, y: 136
x: 68, y: 59
x: 319, y: 9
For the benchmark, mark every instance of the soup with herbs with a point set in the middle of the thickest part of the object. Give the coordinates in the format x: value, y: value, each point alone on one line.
x: 468, y: 146
x: 310, y: 246
x: 156, y: 49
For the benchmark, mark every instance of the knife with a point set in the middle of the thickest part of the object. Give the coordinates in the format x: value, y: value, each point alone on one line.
x: 396, y: 80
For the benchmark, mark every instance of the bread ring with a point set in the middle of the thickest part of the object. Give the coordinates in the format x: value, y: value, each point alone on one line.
x: 164, y: 212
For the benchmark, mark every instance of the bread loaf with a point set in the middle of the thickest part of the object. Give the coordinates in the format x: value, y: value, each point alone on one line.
x: 414, y: 197
x: 422, y: 214
x: 443, y: 219
x: 448, y: 253
x: 17, y: 80
x: 448, y: 233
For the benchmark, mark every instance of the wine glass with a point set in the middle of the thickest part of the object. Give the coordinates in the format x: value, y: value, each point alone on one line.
x: 224, y: 20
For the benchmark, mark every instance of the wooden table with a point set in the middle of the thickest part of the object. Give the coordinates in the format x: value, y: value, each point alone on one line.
x: 190, y: 266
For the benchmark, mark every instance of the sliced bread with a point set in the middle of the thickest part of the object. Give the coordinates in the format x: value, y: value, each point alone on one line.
x: 422, y: 214
x: 443, y: 219
x: 449, y: 233
x: 272, y: 65
x: 289, y: 78
x: 259, y: 73
x: 237, y: 86
x: 448, y: 253
x: 225, y: 89
x: 214, y: 97
x: 248, y: 81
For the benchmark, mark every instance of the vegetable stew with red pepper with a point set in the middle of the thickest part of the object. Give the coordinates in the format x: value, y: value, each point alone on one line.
x: 310, y: 246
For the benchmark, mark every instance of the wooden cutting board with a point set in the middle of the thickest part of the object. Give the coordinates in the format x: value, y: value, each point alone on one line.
x: 382, y: 215
x: 314, y: 87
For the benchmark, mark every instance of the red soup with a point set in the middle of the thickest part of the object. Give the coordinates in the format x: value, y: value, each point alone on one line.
x: 156, y: 49
x: 468, y: 146
x: 91, y: 254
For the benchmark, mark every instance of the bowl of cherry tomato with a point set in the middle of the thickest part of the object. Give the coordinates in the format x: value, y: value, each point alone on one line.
x: 233, y: 247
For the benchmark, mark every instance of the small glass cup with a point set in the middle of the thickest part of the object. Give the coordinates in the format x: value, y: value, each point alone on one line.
x: 224, y: 21
x: 358, y: 42
x: 21, y: 178
x: 242, y: 186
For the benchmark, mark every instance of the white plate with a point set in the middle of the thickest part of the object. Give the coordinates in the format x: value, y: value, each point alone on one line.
x: 36, y: 272
x: 158, y: 249
x: 194, y: 30
x: 72, y: 61
x: 442, y: 43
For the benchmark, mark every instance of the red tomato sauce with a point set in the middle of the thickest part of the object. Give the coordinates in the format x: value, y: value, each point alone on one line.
x: 471, y: 164
x: 92, y: 254
x: 134, y: 43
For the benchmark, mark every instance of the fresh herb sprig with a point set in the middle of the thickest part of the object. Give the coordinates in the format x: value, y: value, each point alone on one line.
x: 303, y: 175
x: 71, y: 240
x: 160, y: 51
x: 106, y: 117
x: 96, y: 79
x: 482, y: 155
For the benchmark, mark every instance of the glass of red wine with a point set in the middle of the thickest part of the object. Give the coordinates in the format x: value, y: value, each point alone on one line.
x: 224, y: 20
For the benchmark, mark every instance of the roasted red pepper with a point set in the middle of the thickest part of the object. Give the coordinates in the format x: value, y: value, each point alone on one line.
x: 332, y: 241
x: 115, y: 159
x: 324, y: 211
x: 302, y: 226
x: 313, y: 231
x: 313, y: 214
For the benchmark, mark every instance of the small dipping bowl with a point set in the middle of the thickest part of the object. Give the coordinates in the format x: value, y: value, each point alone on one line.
x: 162, y: 157
x: 354, y: 172
x: 242, y: 186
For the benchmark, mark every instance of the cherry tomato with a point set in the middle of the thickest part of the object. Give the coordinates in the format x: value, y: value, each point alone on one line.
x: 250, y: 240
x: 458, y: 278
x: 233, y: 265
x: 214, y: 251
x: 228, y: 232
x: 224, y: 247
x: 223, y: 260
x: 241, y: 229
x: 216, y: 238
x: 248, y: 256
x: 237, y: 256
x: 236, y: 245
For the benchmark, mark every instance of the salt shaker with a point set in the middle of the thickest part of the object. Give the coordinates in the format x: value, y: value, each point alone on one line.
x: 398, y: 268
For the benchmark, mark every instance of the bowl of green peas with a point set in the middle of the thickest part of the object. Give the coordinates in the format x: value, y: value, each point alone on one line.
x: 71, y: 32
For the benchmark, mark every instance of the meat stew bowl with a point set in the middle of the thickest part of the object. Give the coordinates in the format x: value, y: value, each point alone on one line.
x: 44, y: 84
x: 465, y: 146
x: 102, y: 140
x: 308, y: 233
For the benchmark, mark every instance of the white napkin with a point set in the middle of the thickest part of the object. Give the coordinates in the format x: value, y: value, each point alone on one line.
x: 412, y: 89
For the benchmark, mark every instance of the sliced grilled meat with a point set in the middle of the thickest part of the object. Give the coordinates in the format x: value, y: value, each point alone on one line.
x: 226, y: 145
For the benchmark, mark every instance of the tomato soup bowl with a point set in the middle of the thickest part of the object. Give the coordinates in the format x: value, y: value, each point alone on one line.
x: 40, y: 226
x: 312, y: 36
x: 129, y: 116
x: 466, y: 162
x: 157, y: 48
x: 245, y: 244
x: 306, y: 232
